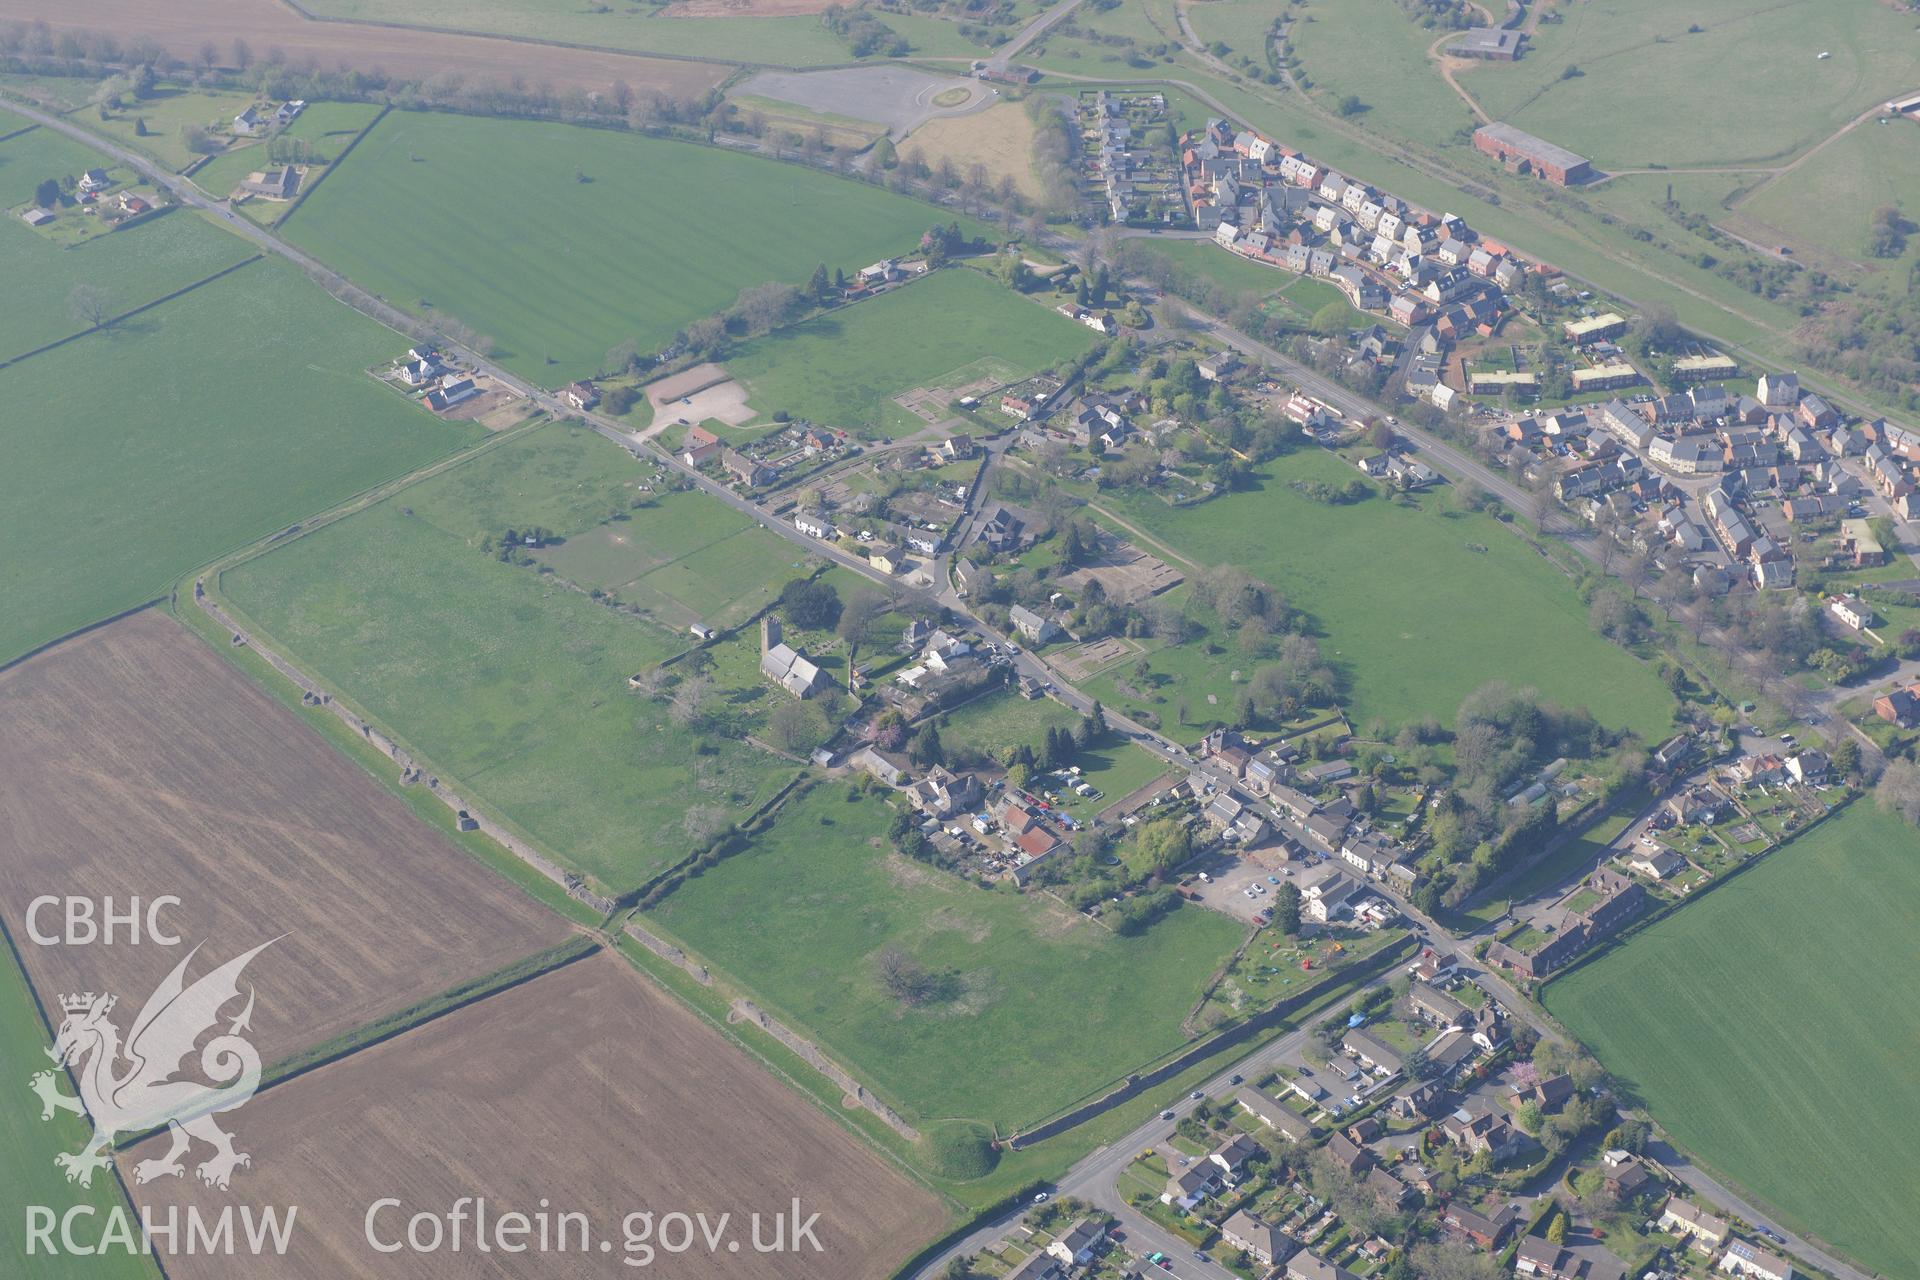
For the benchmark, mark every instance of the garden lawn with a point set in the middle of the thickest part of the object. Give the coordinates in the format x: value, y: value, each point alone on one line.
x: 1416, y: 608
x: 1045, y: 1006
x: 217, y: 418
x: 136, y: 266
x: 508, y: 684
x: 845, y: 367
x: 28, y: 1176
x: 1771, y: 1029
x: 560, y: 242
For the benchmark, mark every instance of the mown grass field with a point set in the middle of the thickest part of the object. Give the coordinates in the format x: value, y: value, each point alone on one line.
x: 1771, y: 1029
x: 511, y: 685
x: 146, y: 261
x: 560, y: 243
x: 682, y: 557
x: 28, y: 1176
x: 1640, y: 69
x: 227, y: 413
x: 1045, y: 1005
x: 1417, y: 608
x: 844, y: 368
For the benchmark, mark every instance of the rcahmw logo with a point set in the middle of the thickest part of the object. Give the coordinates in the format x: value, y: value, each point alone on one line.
x: 129, y: 1086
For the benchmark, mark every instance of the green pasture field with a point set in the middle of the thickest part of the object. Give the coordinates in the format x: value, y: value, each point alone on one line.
x: 1146, y: 22
x: 1413, y: 615
x: 844, y: 368
x: 1045, y: 1006
x: 196, y: 445
x: 562, y: 478
x: 1640, y: 70
x: 32, y: 157
x: 50, y: 92
x: 1242, y: 24
x: 146, y: 261
x: 1768, y: 1028
x: 1828, y: 202
x: 170, y: 109
x: 560, y: 242
x: 1077, y: 56
x: 691, y: 559
x: 800, y: 41
x: 928, y: 36
x: 12, y: 122
x: 1372, y: 49
x: 29, y: 1176
x: 512, y: 685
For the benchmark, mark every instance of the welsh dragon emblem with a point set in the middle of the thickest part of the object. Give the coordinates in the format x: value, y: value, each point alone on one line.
x: 130, y: 1087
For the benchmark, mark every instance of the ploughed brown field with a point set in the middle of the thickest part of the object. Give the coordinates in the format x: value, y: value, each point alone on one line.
x: 182, y: 26
x: 136, y: 762
x: 586, y: 1086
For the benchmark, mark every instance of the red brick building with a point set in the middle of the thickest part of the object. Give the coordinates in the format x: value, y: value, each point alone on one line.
x: 1523, y: 153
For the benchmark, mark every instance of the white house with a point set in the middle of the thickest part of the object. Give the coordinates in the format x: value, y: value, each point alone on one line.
x: 1850, y: 611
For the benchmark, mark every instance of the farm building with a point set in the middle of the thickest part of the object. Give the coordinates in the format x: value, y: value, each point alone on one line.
x: 275, y: 184
x: 36, y: 217
x: 1523, y: 153
x: 1493, y: 44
